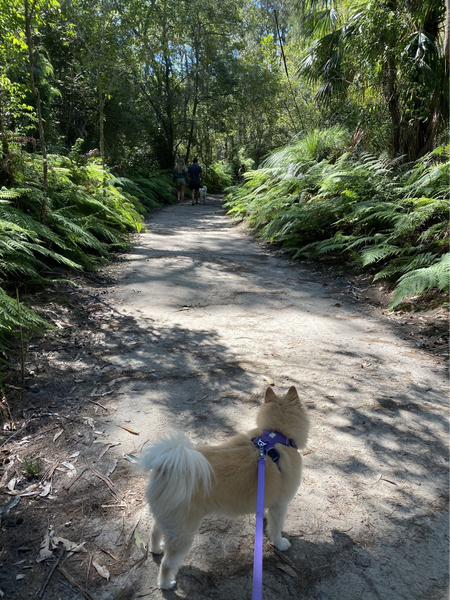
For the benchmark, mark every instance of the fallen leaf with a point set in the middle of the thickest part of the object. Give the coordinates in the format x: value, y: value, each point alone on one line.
x: 337, y: 304
x: 57, y: 434
x: 20, y: 576
x: 45, y: 551
x: 12, y: 484
x: 128, y: 429
x: 131, y: 458
x: 287, y: 569
x: 102, y: 571
x: 9, y: 505
x: 269, y: 380
x: 61, y: 324
x: 69, y: 546
x: 114, y: 381
x: 69, y: 466
x: 89, y: 421
x: 111, y: 467
x: 47, y: 489
x: 138, y: 540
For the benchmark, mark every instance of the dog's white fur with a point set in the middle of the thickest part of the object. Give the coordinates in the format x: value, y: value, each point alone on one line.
x: 187, y: 483
x: 202, y: 194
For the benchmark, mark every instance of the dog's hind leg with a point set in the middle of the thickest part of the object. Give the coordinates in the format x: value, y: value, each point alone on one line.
x: 175, y: 549
x: 275, y: 522
x: 156, y: 546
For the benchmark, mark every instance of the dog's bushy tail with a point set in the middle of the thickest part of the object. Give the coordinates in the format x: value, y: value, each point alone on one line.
x: 177, y: 471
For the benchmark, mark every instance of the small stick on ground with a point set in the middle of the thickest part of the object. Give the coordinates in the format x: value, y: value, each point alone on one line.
x: 284, y: 558
x: 69, y: 485
x: 70, y: 578
x: 115, y: 492
x: 133, y: 530
x: 121, y: 531
x: 6, y: 411
x: 88, y: 569
x: 106, y: 551
x: 50, y: 471
x: 97, y: 403
x: 41, y: 593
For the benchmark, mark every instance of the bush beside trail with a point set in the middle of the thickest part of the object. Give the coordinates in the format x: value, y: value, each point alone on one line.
x: 319, y: 195
x: 86, y: 215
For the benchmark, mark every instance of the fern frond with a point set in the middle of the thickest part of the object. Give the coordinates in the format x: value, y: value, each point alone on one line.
x: 418, y: 281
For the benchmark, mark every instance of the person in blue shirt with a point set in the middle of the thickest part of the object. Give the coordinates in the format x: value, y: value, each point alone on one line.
x: 195, y: 179
x: 180, y: 178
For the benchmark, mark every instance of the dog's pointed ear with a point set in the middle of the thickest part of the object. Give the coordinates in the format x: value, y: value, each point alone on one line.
x: 269, y: 396
x: 292, y: 394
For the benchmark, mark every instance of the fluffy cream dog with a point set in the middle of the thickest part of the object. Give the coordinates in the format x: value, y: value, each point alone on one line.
x: 202, y: 194
x: 187, y: 483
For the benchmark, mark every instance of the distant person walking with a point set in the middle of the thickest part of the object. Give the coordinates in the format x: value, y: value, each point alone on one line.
x: 180, y: 178
x: 241, y: 172
x: 195, y: 179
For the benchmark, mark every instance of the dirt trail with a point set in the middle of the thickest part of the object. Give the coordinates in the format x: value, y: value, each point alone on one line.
x: 203, y: 319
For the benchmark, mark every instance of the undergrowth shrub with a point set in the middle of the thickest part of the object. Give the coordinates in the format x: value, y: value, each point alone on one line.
x: 86, y: 215
x: 318, y: 196
x: 218, y: 176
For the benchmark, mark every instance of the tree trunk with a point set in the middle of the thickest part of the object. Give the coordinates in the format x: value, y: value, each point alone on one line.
x: 447, y: 33
x: 101, y: 106
x: 35, y: 92
x: 169, y: 112
x: 194, y: 109
x: 5, y: 168
x: 391, y: 94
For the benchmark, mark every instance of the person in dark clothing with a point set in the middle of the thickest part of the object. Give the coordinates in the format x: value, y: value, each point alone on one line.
x: 241, y: 173
x: 195, y: 179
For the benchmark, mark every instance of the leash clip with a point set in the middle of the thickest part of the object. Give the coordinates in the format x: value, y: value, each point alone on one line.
x: 261, y: 444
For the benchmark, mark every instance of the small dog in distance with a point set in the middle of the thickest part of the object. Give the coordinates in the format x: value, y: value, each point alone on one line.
x: 202, y: 194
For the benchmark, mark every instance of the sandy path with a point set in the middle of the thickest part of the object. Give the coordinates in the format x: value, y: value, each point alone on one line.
x: 213, y: 315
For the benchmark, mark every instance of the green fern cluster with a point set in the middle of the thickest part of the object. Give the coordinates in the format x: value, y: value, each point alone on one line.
x: 86, y: 215
x: 318, y: 195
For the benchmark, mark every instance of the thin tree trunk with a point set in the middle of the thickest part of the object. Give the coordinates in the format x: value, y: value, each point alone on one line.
x: 194, y: 109
x: 286, y: 71
x: 447, y: 33
x: 169, y: 110
x: 391, y: 93
x: 101, y: 106
x: 28, y: 20
x: 5, y: 169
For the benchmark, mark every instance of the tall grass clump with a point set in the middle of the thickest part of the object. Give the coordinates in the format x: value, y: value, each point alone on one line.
x: 319, y: 195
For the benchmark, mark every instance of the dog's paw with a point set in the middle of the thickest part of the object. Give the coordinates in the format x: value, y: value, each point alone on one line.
x: 167, y: 585
x: 283, y: 544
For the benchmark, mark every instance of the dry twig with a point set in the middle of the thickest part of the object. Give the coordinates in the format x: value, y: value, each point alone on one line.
x: 70, y: 578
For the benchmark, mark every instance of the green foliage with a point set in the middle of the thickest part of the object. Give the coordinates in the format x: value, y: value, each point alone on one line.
x: 218, y: 177
x: 88, y: 216
x: 318, y: 196
x: 381, y: 60
x: 32, y: 468
x: 10, y: 322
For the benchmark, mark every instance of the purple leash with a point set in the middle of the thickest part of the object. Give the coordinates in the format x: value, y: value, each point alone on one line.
x: 258, y: 557
x: 266, y: 444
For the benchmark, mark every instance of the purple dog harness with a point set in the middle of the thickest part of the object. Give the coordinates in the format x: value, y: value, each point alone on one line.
x: 268, y: 440
x: 266, y: 444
